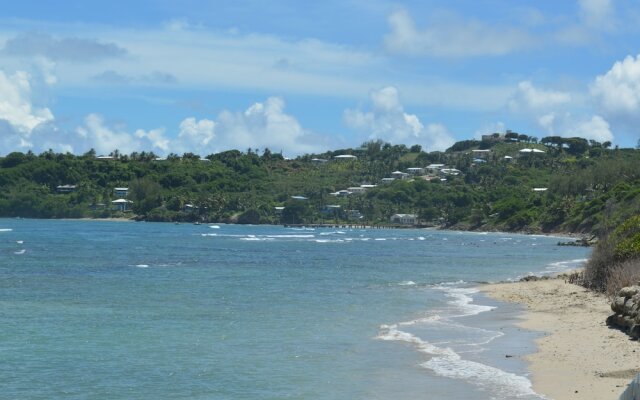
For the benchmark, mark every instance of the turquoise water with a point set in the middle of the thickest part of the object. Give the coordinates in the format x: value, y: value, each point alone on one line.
x: 118, y: 310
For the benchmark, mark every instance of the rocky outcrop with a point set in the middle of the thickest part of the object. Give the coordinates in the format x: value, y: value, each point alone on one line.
x: 626, y: 307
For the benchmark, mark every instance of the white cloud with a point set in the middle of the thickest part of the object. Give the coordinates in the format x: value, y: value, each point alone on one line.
x: 595, y: 17
x: 452, y: 37
x: 596, y: 128
x: 196, y: 134
x: 259, y: 126
x: 599, y: 14
x: 16, y: 106
x: 617, y: 92
x: 32, y: 44
x: 528, y: 98
x: 103, y: 138
x: 388, y: 121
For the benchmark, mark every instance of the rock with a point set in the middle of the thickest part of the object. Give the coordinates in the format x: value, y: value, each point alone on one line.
x: 617, y: 305
x: 634, y: 331
x: 629, y: 291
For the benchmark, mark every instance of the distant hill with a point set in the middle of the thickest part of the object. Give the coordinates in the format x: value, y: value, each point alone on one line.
x: 498, y: 183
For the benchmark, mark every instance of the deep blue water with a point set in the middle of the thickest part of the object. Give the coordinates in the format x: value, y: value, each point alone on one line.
x: 119, y: 310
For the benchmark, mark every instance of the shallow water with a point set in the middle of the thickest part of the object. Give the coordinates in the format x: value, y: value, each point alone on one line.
x: 140, y: 311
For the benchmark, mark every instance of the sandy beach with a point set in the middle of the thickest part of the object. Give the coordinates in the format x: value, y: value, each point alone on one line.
x: 578, y: 357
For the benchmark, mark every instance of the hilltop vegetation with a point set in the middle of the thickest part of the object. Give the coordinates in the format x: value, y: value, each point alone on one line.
x: 589, y: 186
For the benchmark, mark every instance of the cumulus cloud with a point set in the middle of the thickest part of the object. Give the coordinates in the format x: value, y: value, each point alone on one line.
x: 551, y: 110
x: 596, y: 128
x: 18, y: 116
x: 262, y: 125
x: 527, y: 97
x: 452, y: 37
x: 388, y: 121
x: 617, y: 92
x: 61, y: 49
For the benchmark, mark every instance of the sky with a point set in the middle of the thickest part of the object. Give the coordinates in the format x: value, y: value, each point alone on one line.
x: 300, y: 77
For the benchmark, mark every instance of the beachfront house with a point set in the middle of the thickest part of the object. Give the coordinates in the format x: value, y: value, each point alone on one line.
x: 353, y: 215
x: 278, y: 210
x: 122, y: 205
x: 121, y: 192
x: 404, y: 219
x: 330, y: 209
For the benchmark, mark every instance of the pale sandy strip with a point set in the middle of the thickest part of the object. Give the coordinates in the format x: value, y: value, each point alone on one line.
x: 578, y: 357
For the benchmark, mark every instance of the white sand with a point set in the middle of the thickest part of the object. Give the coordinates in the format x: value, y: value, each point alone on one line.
x: 579, y: 357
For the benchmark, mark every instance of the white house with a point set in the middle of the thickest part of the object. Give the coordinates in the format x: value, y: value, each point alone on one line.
x: 450, y: 171
x: 356, y: 189
x: 367, y: 186
x: 481, y: 153
x: 526, y: 152
x: 399, y: 175
x: 121, y: 204
x: 278, y: 210
x: 415, y: 170
x: 434, y: 168
x: 66, y: 188
x: 405, y: 219
x: 388, y: 180
x: 318, y: 160
x: 121, y: 192
x: 345, y: 157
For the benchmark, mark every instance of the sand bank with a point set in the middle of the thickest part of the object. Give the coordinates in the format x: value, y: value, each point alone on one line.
x: 578, y: 357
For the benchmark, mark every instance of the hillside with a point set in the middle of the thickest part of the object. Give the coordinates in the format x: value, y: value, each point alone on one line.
x: 556, y: 185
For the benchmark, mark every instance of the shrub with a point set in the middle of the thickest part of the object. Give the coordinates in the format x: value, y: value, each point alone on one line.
x: 626, y: 273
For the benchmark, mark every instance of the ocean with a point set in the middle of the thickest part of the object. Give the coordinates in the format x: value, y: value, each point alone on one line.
x: 124, y: 310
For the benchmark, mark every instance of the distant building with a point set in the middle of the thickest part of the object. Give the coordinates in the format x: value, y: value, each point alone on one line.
x: 434, y: 168
x: 330, y: 209
x: 66, y: 188
x: 299, y: 198
x: 415, y: 170
x: 356, y: 189
x: 405, y: 219
x: 121, y: 204
x: 353, y: 214
x: 388, y: 180
x: 345, y: 157
x: 121, y: 191
x: 480, y: 153
x: 528, y: 152
x: 399, y: 175
x: 318, y: 160
x: 278, y: 210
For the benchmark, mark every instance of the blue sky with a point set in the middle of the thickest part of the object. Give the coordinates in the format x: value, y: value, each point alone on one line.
x: 299, y: 77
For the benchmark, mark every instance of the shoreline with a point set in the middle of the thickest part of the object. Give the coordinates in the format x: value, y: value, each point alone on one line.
x: 578, y: 356
x: 557, y: 235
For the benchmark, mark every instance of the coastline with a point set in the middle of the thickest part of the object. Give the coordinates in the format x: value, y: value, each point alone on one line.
x: 578, y: 356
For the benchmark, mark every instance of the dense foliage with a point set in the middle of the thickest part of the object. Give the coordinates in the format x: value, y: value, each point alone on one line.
x: 590, y: 187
